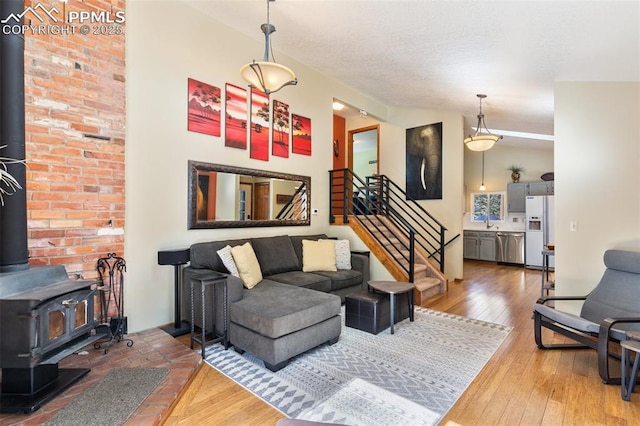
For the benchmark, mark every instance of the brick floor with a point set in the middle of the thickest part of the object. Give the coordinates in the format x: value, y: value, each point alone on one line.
x: 151, y: 348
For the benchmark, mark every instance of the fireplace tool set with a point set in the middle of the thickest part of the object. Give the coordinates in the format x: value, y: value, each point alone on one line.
x: 111, y: 274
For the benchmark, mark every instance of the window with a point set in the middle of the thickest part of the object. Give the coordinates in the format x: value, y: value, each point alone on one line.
x: 491, y: 203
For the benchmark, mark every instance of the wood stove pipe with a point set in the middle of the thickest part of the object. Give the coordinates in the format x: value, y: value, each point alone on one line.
x: 14, y: 255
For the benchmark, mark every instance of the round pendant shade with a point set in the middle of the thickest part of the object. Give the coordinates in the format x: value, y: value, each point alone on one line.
x: 268, y: 76
x: 481, y: 142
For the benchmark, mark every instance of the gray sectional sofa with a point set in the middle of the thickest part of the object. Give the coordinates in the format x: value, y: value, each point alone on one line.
x: 288, y: 312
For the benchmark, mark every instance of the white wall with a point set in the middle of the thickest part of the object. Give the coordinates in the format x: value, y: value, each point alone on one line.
x: 362, y: 165
x: 597, y: 157
x: 227, y: 188
x: 168, y: 42
x: 449, y: 211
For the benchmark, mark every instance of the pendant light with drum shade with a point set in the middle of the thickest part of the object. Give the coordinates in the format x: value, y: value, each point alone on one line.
x: 481, y: 141
x: 268, y: 75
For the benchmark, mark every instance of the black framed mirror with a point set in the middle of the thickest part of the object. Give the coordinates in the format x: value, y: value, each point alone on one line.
x: 235, y: 197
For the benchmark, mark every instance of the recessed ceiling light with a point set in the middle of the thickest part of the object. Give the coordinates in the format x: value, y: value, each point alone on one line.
x: 337, y: 106
x: 525, y: 135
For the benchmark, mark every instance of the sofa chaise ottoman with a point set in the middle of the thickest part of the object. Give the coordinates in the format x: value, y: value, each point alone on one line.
x: 285, y: 314
x: 277, y: 322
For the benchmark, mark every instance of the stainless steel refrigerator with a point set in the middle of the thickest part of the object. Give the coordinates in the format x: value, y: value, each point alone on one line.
x: 540, y: 229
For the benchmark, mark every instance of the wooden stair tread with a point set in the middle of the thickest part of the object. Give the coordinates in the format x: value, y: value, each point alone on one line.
x: 419, y: 267
x: 426, y: 283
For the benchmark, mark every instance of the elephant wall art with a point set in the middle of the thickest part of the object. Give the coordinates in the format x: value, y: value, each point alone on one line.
x: 424, y: 162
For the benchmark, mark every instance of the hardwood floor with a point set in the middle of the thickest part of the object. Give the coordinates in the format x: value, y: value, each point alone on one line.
x: 521, y: 385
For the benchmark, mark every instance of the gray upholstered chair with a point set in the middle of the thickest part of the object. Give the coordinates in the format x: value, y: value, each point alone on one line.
x: 612, y: 308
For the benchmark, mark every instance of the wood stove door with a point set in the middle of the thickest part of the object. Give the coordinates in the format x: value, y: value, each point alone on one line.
x: 66, y: 318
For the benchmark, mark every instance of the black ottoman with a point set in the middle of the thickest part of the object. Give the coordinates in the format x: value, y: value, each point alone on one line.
x: 369, y: 311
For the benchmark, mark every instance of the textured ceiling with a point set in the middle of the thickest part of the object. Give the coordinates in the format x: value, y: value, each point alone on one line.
x: 440, y: 54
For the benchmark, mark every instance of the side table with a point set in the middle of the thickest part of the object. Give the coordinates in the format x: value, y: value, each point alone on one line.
x: 547, y: 284
x: 210, y: 280
x: 177, y: 258
x: 393, y: 288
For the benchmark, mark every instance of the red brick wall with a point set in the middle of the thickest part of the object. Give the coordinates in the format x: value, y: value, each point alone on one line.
x: 75, y: 90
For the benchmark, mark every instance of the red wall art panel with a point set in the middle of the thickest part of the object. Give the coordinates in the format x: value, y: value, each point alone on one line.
x: 204, y: 108
x: 301, y: 142
x: 259, y: 149
x: 235, y: 120
x: 281, y: 130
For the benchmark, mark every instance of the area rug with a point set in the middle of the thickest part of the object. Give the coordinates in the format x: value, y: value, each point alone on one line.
x: 112, y: 399
x: 412, y: 377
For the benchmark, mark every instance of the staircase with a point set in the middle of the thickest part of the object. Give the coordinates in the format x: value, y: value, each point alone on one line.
x: 407, y: 240
x: 296, y: 207
x: 388, y: 244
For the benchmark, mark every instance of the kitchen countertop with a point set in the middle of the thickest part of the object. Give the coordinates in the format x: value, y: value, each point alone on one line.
x: 496, y: 228
x: 511, y: 223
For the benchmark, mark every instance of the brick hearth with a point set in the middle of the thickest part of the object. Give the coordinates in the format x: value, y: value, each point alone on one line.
x: 151, y: 348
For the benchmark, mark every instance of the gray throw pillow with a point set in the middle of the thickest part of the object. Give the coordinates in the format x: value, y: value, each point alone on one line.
x: 275, y: 254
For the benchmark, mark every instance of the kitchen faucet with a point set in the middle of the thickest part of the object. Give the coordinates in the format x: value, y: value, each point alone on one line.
x: 486, y: 219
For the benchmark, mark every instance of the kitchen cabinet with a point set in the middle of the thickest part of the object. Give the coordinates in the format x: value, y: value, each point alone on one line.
x: 517, y: 193
x: 470, y: 246
x: 540, y: 188
x: 487, y: 245
x: 480, y: 245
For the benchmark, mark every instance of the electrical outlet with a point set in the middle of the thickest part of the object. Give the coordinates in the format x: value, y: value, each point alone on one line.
x: 573, y: 226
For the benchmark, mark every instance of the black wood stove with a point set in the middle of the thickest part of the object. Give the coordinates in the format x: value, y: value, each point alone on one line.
x: 44, y: 316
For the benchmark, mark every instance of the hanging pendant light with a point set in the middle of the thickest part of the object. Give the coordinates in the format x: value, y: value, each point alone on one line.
x: 267, y: 74
x: 481, y: 141
x: 482, y: 187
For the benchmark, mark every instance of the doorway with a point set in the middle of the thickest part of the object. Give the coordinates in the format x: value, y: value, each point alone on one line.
x: 363, y: 147
x: 261, y: 205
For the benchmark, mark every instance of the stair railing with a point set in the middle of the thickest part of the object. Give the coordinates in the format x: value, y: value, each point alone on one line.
x: 380, y: 196
x: 349, y: 196
x: 431, y: 233
x: 294, y: 204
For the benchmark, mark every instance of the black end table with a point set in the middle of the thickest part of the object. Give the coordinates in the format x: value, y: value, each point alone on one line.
x: 210, y: 279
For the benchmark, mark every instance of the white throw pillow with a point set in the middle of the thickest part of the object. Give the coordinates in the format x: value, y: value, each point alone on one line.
x: 343, y: 253
x: 227, y: 260
x: 247, y: 264
x: 318, y: 255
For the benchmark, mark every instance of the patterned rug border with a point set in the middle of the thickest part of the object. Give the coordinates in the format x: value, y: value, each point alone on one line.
x: 307, y: 387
